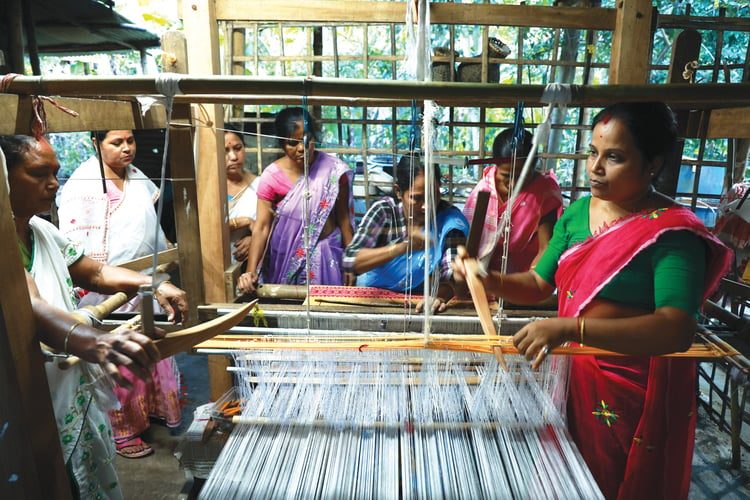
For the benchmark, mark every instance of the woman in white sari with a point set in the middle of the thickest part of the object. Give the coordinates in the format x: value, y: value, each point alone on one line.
x: 80, y: 394
x: 116, y: 225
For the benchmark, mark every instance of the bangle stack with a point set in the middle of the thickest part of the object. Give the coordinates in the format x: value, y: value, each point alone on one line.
x: 233, y: 223
x: 67, y: 337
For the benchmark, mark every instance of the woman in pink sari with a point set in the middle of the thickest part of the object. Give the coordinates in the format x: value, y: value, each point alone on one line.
x: 632, y: 268
x: 535, y: 209
x: 303, y: 224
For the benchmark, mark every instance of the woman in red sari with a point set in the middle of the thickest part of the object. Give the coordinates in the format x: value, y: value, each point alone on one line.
x: 632, y: 268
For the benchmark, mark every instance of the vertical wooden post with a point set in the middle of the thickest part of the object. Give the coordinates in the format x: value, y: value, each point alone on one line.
x: 199, y: 19
x: 685, y: 48
x: 238, y: 67
x: 631, y: 42
x: 30, y: 442
x: 182, y: 166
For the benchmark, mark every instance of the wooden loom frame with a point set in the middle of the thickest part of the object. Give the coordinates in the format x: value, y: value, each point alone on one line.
x: 725, y: 108
x: 121, y: 114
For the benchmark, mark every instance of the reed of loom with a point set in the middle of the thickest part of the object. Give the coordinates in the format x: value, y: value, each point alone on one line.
x: 394, y: 425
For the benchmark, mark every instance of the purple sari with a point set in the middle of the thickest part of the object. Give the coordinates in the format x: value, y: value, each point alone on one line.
x: 287, y: 257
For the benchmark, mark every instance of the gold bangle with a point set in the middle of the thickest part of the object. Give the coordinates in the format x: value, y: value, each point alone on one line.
x: 233, y: 223
x: 394, y: 248
x: 67, y: 337
x: 581, y: 329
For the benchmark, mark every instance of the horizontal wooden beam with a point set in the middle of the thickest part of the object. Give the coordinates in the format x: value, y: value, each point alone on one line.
x: 703, y: 96
x: 337, y: 12
x: 93, y: 114
x: 729, y: 124
x: 704, y: 23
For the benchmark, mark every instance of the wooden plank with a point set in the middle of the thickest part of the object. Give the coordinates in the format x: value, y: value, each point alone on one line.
x: 338, y: 11
x: 729, y: 124
x: 20, y: 114
x: 182, y: 167
x: 231, y: 275
x: 631, y: 42
x: 703, y: 22
x: 199, y: 19
x: 685, y: 48
x: 146, y: 262
x: 27, y: 400
x: 93, y: 114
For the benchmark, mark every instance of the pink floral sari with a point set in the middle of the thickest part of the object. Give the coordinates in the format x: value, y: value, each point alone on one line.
x: 539, y: 198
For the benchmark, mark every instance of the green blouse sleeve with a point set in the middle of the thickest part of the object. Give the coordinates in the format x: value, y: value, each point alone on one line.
x: 571, y: 228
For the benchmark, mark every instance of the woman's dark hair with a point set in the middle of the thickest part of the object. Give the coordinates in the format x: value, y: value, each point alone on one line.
x: 15, y: 148
x: 231, y: 129
x: 99, y: 135
x: 503, y: 145
x: 287, y: 120
x: 409, y: 168
x: 651, y: 124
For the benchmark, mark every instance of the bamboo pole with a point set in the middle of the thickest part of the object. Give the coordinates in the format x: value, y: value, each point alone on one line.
x: 710, y: 348
x: 710, y: 95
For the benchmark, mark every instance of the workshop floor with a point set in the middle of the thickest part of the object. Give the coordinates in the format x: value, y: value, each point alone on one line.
x: 160, y: 477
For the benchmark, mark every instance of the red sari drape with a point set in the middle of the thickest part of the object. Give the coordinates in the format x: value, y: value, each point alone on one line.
x: 632, y: 418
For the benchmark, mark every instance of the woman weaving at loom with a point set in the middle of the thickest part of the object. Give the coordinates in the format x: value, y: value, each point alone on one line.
x: 80, y: 396
x: 116, y: 225
x: 388, y: 249
x: 535, y: 209
x: 632, y: 268
x: 279, y: 233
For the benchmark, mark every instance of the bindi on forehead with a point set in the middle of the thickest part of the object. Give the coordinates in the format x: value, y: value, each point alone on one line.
x: 121, y: 135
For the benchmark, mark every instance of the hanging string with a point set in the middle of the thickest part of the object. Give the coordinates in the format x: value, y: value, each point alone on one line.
x: 167, y: 84
x: 506, y: 221
x: 306, y: 201
x: 422, y: 53
x: 555, y: 94
x: 38, y: 123
x: 414, y: 131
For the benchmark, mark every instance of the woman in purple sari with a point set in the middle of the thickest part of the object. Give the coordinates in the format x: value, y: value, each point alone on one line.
x: 289, y: 204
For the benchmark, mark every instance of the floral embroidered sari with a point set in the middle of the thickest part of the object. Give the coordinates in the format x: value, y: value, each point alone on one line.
x: 287, y: 256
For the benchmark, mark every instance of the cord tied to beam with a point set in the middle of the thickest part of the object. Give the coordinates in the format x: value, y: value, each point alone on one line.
x: 167, y: 84
x: 39, y: 115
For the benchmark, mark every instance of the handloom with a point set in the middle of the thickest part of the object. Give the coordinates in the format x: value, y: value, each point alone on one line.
x: 398, y: 424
